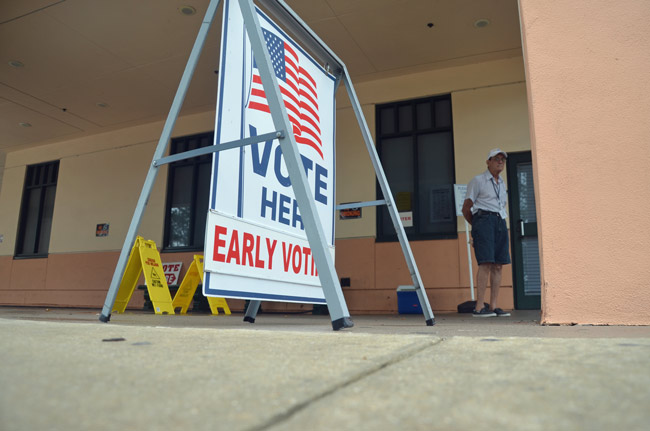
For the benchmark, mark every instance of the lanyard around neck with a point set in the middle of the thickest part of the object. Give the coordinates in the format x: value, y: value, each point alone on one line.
x: 497, y: 189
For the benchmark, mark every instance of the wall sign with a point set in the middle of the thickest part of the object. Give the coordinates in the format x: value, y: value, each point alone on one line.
x: 407, y: 218
x: 172, y: 271
x: 101, y: 230
x: 350, y: 213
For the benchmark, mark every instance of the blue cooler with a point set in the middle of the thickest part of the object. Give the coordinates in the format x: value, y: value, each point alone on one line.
x: 408, y: 301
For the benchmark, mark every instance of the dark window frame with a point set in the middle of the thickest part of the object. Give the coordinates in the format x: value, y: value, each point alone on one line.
x: 38, y: 176
x: 413, y: 133
x: 179, y: 145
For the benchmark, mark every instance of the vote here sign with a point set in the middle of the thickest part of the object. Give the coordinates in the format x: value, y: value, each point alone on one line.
x: 251, y: 185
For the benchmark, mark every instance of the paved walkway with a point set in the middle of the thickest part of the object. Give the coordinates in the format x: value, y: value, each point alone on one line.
x: 64, y: 370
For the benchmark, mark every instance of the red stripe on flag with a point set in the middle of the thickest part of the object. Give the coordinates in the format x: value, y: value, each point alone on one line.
x: 293, y: 99
x: 306, y: 74
x: 312, y: 133
x: 311, y: 122
x: 259, y: 107
x: 305, y: 141
x: 302, y: 93
x: 258, y: 93
x: 308, y: 108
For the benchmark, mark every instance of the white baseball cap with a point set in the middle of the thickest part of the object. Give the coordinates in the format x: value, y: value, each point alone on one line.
x: 496, y: 151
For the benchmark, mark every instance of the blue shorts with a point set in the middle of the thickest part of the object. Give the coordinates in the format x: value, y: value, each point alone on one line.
x: 490, y: 236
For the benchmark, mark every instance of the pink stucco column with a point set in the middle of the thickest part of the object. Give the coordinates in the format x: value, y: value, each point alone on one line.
x: 588, y: 78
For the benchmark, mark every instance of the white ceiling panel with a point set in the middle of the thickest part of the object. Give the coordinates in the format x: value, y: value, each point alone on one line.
x: 52, y: 54
x: 138, y: 32
x: 130, y: 95
x: 334, y: 34
x: 42, y: 127
x: 14, y: 9
x: 130, y: 54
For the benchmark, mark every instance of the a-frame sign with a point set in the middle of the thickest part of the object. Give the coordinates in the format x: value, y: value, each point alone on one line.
x: 284, y: 133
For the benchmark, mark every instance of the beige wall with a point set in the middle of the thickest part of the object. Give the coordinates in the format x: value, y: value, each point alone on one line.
x: 489, y: 110
x: 10, y: 197
x: 355, y: 176
x: 485, y: 118
x: 3, y: 157
x: 589, y: 96
x: 101, y: 177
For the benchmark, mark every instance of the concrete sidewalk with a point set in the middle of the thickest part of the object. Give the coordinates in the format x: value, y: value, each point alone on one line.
x: 63, y: 369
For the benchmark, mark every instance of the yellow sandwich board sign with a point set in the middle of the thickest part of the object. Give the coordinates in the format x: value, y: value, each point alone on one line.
x: 185, y: 293
x: 188, y: 286
x: 145, y: 257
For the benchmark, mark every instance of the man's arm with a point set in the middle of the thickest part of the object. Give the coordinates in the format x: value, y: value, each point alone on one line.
x: 467, y: 210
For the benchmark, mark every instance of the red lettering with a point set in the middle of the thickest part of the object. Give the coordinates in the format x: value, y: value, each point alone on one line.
x: 233, y: 250
x: 218, y: 242
x: 259, y: 263
x: 312, y: 267
x: 286, y: 257
x: 247, y: 249
x: 307, y: 252
x: 296, y: 265
x: 271, y: 248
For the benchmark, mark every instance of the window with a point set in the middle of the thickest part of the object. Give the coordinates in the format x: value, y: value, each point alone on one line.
x: 416, y: 148
x: 36, y: 210
x: 188, y: 186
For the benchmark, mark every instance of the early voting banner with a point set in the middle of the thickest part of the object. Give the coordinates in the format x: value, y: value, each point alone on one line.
x: 256, y: 247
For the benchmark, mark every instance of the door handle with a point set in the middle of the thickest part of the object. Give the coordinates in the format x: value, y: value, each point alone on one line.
x: 521, y: 227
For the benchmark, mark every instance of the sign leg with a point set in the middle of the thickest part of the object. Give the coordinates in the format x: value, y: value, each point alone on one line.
x: 251, y: 311
x: 315, y: 234
x: 469, y: 261
x: 390, y: 202
x: 105, y: 315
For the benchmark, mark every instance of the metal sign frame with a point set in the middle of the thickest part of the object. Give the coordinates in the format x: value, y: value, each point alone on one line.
x: 337, y: 307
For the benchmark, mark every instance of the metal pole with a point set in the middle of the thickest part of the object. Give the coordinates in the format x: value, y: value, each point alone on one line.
x: 251, y: 310
x: 216, y: 148
x: 315, y: 235
x: 390, y: 202
x: 361, y: 204
x: 105, y: 315
x: 469, y: 261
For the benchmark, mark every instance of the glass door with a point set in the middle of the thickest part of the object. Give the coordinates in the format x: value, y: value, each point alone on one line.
x: 523, y: 232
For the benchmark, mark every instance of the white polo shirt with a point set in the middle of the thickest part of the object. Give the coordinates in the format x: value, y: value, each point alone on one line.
x: 487, y: 194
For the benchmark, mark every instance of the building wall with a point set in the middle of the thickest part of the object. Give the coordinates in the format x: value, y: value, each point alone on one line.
x: 101, y: 177
x: 586, y: 72
x: 3, y: 157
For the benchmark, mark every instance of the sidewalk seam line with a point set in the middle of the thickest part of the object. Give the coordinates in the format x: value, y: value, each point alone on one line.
x: 408, y: 352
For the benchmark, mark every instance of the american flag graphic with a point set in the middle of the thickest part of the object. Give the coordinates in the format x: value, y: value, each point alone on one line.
x: 298, y: 90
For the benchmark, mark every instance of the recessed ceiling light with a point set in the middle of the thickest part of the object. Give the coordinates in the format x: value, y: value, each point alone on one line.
x: 16, y: 63
x: 24, y: 124
x: 481, y: 23
x: 187, y: 10
x: 102, y: 104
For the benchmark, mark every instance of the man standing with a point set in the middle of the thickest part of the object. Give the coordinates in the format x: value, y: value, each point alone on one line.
x: 485, y: 209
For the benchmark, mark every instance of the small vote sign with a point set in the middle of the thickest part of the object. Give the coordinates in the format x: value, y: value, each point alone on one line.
x: 172, y: 271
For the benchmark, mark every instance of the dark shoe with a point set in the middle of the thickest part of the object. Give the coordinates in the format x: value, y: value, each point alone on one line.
x: 500, y: 313
x: 485, y: 312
